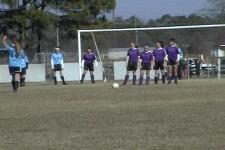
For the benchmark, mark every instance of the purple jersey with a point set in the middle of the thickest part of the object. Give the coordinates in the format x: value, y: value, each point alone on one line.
x: 172, y: 52
x: 133, y: 54
x: 146, y: 57
x: 89, y: 58
x: 159, y: 54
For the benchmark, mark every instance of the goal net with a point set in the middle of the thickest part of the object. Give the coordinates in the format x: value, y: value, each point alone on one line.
x: 198, y: 43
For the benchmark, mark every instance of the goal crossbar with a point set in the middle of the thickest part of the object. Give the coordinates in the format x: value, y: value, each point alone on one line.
x: 137, y: 29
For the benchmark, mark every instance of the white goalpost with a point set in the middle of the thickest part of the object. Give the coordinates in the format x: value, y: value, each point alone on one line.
x: 92, y: 31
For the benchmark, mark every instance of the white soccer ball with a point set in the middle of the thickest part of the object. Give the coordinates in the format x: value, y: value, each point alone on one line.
x: 115, y: 85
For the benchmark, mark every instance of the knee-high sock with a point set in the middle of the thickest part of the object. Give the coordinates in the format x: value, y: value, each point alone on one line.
x: 16, y: 85
x: 134, y: 79
x: 147, y: 80
x: 92, y: 78
x: 82, y: 78
x: 175, y: 79
x: 63, y: 80
x: 141, y: 80
x: 126, y: 79
x: 55, y: 80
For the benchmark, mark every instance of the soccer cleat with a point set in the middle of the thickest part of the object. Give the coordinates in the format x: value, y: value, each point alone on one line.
x: 81, y: 81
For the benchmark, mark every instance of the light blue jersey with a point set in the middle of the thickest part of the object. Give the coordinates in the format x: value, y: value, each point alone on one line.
x: 14, y: 60
x: 57, y: 58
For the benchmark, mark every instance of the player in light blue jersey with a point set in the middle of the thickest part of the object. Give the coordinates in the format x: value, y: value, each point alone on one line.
x: 25, y: 62
x: 57, y: 62
x: 15, y: 61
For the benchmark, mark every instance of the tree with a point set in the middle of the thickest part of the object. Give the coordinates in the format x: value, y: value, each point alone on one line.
x: 33, y: 18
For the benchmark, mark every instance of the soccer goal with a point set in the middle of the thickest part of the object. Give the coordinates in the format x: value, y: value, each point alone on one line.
x: 197, y: 43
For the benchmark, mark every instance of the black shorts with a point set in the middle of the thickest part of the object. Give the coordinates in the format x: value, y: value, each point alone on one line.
x: 132, y: 66
x: 57, y: 67
x: 159, y: 65
x: 172, y: 63
x: 145, y: 66
x: 89, y: 67
x: 13, y: 70
x: 24, y: 71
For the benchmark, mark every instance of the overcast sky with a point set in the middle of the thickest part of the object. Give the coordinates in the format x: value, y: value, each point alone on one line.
x: 146, y: 9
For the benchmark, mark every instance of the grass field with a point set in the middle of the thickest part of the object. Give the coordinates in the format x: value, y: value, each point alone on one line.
x: 188, y: 116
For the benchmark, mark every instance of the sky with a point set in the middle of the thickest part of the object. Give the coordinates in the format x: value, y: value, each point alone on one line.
x: 152, y: 9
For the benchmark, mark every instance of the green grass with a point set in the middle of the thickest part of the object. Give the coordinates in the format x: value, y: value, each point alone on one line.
x: 188, y: 116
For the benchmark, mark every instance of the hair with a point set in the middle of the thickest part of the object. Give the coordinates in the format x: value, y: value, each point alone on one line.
x: 161, y: 43
x: 17, y: 47
x: 172, y: 40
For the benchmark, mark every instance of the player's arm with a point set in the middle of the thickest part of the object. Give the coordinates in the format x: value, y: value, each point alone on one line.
x: 52, y: 61
x: 96, y: 62
x: 83, y: 60
x: 178, y: 55
x: 6, y: 44
x: 62, y: 63
x: 165, y: 55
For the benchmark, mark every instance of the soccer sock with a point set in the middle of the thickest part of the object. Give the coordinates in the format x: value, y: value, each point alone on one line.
x: 163, y: 79
x: 82, y: 78
x: 147, y: 80
x: 156, y: 80
x: 16, y: 85
x: 24, y: 81
x: 169, y: 79
x: 175, y: 79
x: 134, y: 79
x: 55, y: 80
x: 63, y: 80
x: 126, y: 79
x: 21, y: 81
x: 92, y: 78
x: 141, y: 80
x: 13, y: 84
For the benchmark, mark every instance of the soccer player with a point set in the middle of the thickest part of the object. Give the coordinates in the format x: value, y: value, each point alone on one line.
x: 133, y: 56
x: 146, y: 61
x: 15, y: 59
x: 159, y: 55
x: 89, y: 58
x: 172, y: 52
x: 24, y: 68
x: 57, y: 62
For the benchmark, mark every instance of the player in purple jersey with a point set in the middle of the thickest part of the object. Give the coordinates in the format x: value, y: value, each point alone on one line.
x: 159, y: 55
x: 132, y: 63
x: 146, y: 61
x: 172, y: 52
x: 88, y: 61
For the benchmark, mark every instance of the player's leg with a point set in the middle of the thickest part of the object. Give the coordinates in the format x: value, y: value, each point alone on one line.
x: 170, y: 69
x: 62, y: 77
x: 134, y: 69
x: 156, y: 68
x: 11, y: 72
x: 22, y: 77
x: 175, y: 73
x: 92, y: 77
x: 54, y: 74
x: 17, y: 72
x: 83, y: 75
x: 127, y: 73
x: 147, y: 77
x: 141, y: 76
x: 162, y: 68
x: 91, y: 69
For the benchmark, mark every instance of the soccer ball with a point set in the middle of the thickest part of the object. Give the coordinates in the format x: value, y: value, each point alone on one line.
x: 115, y: 85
